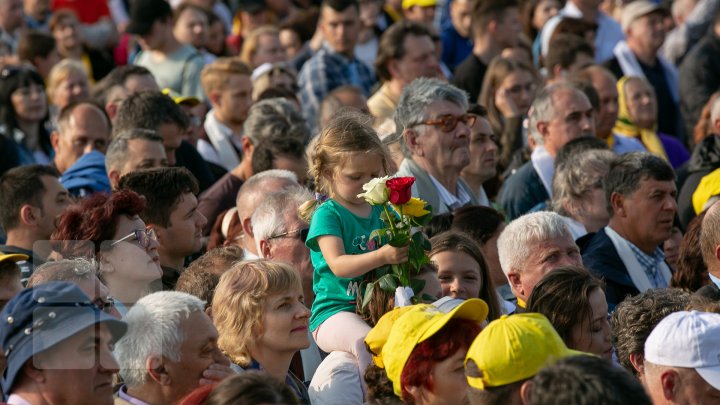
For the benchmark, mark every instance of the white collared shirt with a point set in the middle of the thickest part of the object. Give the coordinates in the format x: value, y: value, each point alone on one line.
x: 452, y: 201
x: 219, y: 131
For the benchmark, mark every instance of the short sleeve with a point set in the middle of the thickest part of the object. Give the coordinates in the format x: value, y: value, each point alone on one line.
x: 325, y: 221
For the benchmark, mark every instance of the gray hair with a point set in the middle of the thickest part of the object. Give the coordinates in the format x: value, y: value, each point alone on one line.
x: 418, y: 95
x: 275, y: 116
x: 579, y: 174
x: 628, y: 170
x: 64, y: 270
x: 116, y: 155
x: 153, y: 330
x: 543, y: 107
x: 252, y: 190
x: 268, y: 219
x: 521, y: 235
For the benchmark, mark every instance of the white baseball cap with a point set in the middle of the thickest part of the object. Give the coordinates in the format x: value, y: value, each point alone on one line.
x: 689, y: 340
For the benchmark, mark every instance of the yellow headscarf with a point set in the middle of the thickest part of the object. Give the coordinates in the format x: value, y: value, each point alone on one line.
x: 625, y: 126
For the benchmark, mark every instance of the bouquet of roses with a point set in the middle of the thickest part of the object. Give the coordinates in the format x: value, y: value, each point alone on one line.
x: 402, y: 217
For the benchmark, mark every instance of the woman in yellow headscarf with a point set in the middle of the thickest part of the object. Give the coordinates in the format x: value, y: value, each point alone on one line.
x: 637, y: 118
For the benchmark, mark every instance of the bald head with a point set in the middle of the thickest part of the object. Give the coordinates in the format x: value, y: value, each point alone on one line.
x: 82, y: 127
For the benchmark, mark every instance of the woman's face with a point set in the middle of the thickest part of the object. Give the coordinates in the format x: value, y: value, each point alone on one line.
x: 128, y: 259
x: 459, y: 274
x: 66, y: 34
x: 449, y: 382
x: 520, y: 87
x: 543, y: 11
x: 641, y: 103
x: 75, y: 87
x: 672, y: 247
x: 593, y: 335
x: 285, y: 323
x: 30, y: 103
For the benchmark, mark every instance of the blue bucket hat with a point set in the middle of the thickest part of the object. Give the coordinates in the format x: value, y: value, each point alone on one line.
x: 40, y: 317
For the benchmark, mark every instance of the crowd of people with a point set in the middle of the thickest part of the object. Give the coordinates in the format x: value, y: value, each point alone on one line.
x: 184, y: 212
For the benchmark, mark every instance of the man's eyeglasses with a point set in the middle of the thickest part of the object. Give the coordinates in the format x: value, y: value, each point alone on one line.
x: 448, y: 122
x: 302, y: 233
x: 142, y: 236
x: 105, y: 304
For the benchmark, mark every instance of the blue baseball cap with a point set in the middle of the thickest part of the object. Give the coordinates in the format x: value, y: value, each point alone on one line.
x: 40, y: 317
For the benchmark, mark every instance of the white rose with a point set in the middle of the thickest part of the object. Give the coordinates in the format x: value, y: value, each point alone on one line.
x: 376, y: 192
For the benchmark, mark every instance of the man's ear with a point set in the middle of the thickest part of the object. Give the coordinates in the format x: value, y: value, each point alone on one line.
x: 524, y: 392
x: 247, y: 147
x: 392, y: 68
x: 513, y: 277
x: 265, y: 250
x: 54, y: 140
x: 114, y: 177
x: 34, y: 371
x: 215, y: 98
x: 246, y: 224
x: 542, y: 128
x: 155, y: 367
x: 28, y: 215
x: 669, y: 381
x: 617, y: 202
x: 412, y: 141
x: 638, y: 362
x: 111, y: 109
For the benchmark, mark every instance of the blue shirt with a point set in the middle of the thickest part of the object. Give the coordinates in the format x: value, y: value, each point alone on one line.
x: 326, y: 71
x: 651, y: 265
x: 455, y: 48
x: 714, y: 280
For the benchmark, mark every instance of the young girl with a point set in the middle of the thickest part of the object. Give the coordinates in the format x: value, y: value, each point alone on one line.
x: 347, y: 155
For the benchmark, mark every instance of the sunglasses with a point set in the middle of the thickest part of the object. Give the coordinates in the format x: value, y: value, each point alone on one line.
x: 302, y: 233
x: 105, y: 304
x: 142, y: 236
x: 448, y: 122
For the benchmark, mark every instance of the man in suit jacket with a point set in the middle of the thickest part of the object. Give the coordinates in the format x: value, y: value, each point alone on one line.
x: 627, y: 253
x: 710, y: 248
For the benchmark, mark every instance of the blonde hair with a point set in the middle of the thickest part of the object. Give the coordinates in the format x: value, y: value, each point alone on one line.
x: 239, y: 302
x: 216, y: 75
x: 349, y: 132
x: 250, y: 44
x: 61, y: 71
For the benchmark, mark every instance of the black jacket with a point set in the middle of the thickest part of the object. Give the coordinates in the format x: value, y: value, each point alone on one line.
x: 704, y: 159
x: 699, y: 79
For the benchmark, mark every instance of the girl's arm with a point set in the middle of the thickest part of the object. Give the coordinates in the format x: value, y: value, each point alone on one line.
x: 350, y: 266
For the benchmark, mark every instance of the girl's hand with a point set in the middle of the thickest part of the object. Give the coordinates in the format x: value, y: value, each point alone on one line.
x: 505, y: 104
x: 395, y: 255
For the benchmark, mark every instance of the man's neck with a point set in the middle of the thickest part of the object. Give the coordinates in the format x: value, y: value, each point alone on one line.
x: 169, y: 45
x: 589, y: 14
x: 151, y: 393
x: 248, y: 243
x: 237, y: 129
x: 22, y: 238
x: 347, y: 54
x: 448, y: 180
x: 395, y: 88
x: 474, y: 180
x: 625, y: 230
x: 486, y: 49
x: 173, y: 262
x: 647, y: 56
x: 274, y: 363
x: 74, y: 52
x: 243, y: 171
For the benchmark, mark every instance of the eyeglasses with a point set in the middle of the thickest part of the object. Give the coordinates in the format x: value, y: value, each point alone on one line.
x: 142, y: 236
x: 448, y: 122
x: 302, y: 233
x: 105, y: 304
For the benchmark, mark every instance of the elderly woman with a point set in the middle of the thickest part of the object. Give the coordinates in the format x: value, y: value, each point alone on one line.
x: 637, y: 118
x: 262, y: 46
x: 67, y: 82
x: 110, y: 228
x: 432, y: 117
x: 579, y: 192
x: 260, y: 314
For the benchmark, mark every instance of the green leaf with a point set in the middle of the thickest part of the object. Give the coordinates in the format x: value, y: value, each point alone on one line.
x: 400, y: 240
x: 387, y: 283
x: 381, y: 271
x: 368, y: 294
x: 417, y: 285
x: 428, y: 298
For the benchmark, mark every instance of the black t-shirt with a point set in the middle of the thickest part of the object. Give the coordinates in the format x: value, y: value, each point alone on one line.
x: 469, y: 76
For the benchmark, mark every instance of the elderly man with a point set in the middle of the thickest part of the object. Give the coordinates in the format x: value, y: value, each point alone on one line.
x: 431, y: 116
x: 682, y: 365
x: 627, y: 254
x: 82, y: 127
x: 132, y: 150
x: 406, y: 52
x: 559, y: 114
x: 709, y: 244
x: 532, y: 246
x: 643, y: 22
x: 59, y: 347
x: 170, y: 349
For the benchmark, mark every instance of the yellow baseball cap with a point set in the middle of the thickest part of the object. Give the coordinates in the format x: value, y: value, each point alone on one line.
x: 514, y: 348
x: 179, y: 99
x: 709, y: 187
x: 15, y: 257
x: 406, y: 4
x: 400, y: 330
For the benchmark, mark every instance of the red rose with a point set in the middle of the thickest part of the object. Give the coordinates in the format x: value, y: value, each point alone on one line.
x: 400, y: 189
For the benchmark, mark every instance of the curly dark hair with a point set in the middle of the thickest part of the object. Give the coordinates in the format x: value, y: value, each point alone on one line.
x: 380, y: 388
x: 692, y: 273
x: 636, y: 316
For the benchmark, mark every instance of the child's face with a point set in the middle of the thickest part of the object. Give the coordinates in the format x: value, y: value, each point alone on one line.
x: 357, y: 169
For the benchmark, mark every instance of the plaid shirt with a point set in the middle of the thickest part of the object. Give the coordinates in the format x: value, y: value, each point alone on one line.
x: 326, y: 71
x: 651, y: 265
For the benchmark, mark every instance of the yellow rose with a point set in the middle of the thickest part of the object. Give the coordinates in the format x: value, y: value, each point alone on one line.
x: 376, y: 192
x: 414, y: 208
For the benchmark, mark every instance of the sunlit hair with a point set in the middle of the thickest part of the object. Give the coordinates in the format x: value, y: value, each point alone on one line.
x: 455, y: 241
x: 239, y: 303
x: 499, y: 69
x: 60, y: 72
x: 216, y: 75
x: 349, y: 132
x: 252, y: 42
x: 523, y: 234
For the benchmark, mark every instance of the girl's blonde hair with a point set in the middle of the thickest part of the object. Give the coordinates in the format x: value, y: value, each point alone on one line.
x: 239, y: 303
x: 349, y: 132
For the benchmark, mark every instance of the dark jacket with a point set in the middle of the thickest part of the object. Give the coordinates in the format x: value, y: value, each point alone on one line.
x: 600, y: 256
x: 704, y: 159
x: 522, y: 191
x: 699, y: 78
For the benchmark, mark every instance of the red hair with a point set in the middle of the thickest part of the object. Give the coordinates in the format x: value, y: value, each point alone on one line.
x: 94, y: 219
x: 455, y: 335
